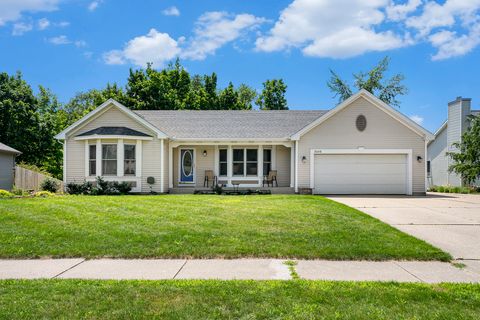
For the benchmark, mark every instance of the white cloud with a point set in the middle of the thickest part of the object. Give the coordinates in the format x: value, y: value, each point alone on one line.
x: 43, y: 23
x: 154, y: 47
x: 397, y: 12
x: 114, y: 57
x: 59, y: 40
x: 21, y: 27
x: 62, y: 24
x: 449, y: 44
x: 418, y: 119
x: 94, y: 5
x: 80, y: 43
x: 172, y: 11
x: 335, y: 29
x: 215, y: 29
x: 11, y: 10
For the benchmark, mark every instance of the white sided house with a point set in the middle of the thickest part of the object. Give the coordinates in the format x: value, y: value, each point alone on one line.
x: 450, y: 132
x: 362, y: 146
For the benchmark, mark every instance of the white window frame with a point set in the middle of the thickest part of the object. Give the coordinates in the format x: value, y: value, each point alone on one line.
x: 220, y: 162
x: 134, y: 145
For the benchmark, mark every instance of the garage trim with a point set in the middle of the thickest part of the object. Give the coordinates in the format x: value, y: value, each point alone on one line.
x: 407, y: 152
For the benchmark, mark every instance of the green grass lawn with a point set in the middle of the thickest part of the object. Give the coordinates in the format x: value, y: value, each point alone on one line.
x: 202, y: 226
x: 187, y: 299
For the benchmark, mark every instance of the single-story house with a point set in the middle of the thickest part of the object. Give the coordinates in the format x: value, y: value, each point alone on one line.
x: 450, y: 131
x: 7, y: 166
x: 362, y: 146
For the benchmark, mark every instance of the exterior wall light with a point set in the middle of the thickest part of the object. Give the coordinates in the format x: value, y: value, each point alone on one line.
x: 304, y: 159
x: 419, y: 158
x: 204, y: 153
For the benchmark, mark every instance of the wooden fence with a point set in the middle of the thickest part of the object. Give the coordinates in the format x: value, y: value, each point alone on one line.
x: 31, y: 180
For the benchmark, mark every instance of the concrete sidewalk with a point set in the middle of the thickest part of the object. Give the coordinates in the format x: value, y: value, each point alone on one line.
x: 255, y: 269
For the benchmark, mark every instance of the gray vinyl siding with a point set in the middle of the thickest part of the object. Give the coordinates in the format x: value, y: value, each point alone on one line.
x: 382, y: 132
x: 7, y: 163
x: 454, y: 134
x: 437, y: 150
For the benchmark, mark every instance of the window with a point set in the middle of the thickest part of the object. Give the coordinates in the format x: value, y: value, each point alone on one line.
x: 267, y: 161
x: 92, y: 160
x: 238, y: 162
x: 252, y: 162
x: 129, y: 159
x: 429, y: 169
x: 109, y: 159
x: 223, y: 166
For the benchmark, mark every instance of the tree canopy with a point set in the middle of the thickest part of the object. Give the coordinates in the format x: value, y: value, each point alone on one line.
x: 273, y: 95
x: 466, y: 161
x: 374, y: 81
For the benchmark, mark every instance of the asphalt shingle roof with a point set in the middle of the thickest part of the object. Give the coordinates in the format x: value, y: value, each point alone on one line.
x: 5, y: 148
x: 231, y: 124
x: 114, y: 131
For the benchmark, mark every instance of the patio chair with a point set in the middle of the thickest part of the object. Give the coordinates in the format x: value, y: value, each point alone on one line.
x: 209, y: 176
x: 270, y: 179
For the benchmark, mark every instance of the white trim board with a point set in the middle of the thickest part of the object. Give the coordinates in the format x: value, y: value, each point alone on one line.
x: 406, y: 121
x: 104, y: 107
x: 407, y: 152
x: 105, y: 137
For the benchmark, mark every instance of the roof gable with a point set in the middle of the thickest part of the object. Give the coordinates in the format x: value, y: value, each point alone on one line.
x: 409, y: 123
x: 5, y: 148
x: 104, y: 108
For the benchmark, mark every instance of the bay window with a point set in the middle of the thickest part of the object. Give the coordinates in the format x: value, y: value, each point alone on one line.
x: 129, y: 159
x: 92, y: 160
x: 109, y: 159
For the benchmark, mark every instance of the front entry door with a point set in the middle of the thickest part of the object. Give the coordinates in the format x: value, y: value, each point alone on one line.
x: 187, y: 166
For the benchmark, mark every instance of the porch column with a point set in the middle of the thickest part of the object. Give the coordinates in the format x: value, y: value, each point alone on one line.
x: 292, y: 166
x: 87, y: 159
x: 260, y: 163
x: 170, y: 165
x: 98, y: 168
x: 162, y: 160
x: 296, y: 165
x: 216, y: 162
x: 229, y: 165
x: 120, y: 158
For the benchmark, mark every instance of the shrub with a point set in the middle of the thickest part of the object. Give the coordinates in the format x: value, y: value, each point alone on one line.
x: 123, y: 187
x: 5, y: 194
x: 433, y: 189
x: 455, y: 189
x: 49, y: 185
x: 102, y: 188
x: 20, y: 192
x: 44, y: 194
x: 441, y: 189
x: 83, y: 188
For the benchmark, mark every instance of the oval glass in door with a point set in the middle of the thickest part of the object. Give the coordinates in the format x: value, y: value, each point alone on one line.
x: 186, y: 165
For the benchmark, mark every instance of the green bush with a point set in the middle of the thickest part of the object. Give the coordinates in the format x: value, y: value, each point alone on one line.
x: 433, y: 189
x: 44, y: 194
x: 79, y: 188
x: 6, y: 194
x: 49, y: 185
x: 102, y: 188
x: 440, y: 189
x: 20, y: 192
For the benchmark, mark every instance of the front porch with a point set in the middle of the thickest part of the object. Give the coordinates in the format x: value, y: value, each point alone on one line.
x: 273, y: 190
x: 234, y: 165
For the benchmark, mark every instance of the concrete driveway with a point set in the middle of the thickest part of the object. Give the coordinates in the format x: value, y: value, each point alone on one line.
x: 448, y: 221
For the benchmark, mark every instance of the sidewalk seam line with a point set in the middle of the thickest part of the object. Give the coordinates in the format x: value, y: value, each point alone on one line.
x: 68, y: 269
x: 413, y: 275
x: 181, y: 268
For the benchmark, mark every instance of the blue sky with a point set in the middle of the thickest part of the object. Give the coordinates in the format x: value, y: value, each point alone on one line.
x: 75, y: 45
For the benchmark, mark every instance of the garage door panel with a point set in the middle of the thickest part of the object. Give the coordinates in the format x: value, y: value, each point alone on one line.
x: 360, y: 174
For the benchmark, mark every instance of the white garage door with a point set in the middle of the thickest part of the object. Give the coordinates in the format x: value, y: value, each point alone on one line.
x: 360, y: 174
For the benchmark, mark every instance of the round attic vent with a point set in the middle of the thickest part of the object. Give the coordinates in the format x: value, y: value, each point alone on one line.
x: 361, y: 122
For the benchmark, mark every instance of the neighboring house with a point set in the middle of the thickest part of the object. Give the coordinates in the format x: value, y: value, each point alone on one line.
x: 451, y: 131
x: 7, y: 166
x: 362, y: 146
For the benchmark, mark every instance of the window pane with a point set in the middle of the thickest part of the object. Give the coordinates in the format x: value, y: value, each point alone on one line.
x: 266, y: 168
x: 223, y: 169
x: 267, y: 155
x: 93, y: 152
x: 109, y: 151
x: 129, y: 151
x: 238, y: 169
x: 252, y: 155
x: 109, y: 167
x: 237, y: 154
x: 251, y: 169
x: 93, y: 167
x: 223, y: 155
x: 129, y: 167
